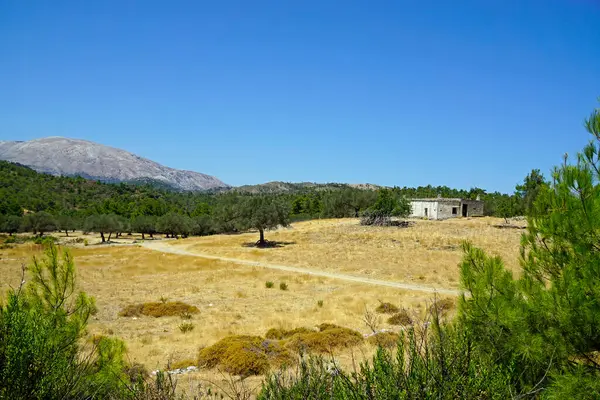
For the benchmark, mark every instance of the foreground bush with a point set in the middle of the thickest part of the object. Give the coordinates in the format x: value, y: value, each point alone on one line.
x: 438, y: 363
x: 42, y: 324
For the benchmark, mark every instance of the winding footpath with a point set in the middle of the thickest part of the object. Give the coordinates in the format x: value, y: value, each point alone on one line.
x: 166, y: 248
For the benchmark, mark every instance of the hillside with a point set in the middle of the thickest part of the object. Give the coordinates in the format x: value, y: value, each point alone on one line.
x: 73, y: 157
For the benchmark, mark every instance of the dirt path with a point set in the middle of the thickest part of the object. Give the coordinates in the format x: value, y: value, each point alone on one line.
x: 166, y: 248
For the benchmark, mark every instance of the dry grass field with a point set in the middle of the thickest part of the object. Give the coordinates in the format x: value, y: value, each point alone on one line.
x: 233, y: 299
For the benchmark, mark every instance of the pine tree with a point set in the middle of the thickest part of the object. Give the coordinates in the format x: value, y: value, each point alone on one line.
x: 545, y: 325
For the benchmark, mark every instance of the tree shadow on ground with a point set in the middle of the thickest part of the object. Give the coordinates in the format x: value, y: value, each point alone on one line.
x: 268, y: 244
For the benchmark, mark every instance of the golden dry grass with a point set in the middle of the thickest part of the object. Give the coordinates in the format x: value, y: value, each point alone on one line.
x: 426, y: 253
x: 233, y: 299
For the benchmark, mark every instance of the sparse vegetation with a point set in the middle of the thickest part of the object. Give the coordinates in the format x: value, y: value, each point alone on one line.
x: 186, y: 327
x: 320, y: 303
x: 283, y: 286
x: 159, y: 309
x: 269, y: 284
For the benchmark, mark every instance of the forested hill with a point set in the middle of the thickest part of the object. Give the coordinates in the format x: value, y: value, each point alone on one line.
x: 23, y: 190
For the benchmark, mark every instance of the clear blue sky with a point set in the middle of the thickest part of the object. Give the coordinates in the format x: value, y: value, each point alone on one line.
x: 457, y: 93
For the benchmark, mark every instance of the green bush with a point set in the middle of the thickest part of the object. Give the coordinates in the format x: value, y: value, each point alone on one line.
x: 42, y: 324
x: 269, y: 284
x: 283, y: 286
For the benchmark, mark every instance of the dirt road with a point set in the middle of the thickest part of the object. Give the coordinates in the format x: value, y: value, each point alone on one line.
x: 166, y: 248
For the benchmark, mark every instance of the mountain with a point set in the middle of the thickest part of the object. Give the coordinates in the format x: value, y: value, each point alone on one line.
x: 288, y: 187
x: 74, y: 157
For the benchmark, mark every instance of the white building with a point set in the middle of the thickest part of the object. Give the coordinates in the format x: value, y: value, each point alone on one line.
x: 441, y: 208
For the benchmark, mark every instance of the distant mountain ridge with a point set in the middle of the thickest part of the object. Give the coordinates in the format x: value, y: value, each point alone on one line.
x: 75, y: 157
x: 289, y: 187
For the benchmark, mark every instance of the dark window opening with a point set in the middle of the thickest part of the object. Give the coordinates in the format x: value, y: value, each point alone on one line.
x: 454, y: 210
x: 426, y: 211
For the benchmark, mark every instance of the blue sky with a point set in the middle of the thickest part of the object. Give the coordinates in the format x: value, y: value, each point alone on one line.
x: 407, y: 93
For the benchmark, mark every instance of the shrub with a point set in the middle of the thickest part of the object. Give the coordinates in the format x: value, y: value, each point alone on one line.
x: 387, y: 340
x: 283, y: 286
x: 330, y: 337
x: 188, y: 362
x: 245, y: 355
x: 400, y: 318
x: 386, y: 308
x: 186, y: 327
x: 168, y: 309
x: 320, y: 303
x: 444, y: 305
x: 279, y: 334
x: 269, y: 284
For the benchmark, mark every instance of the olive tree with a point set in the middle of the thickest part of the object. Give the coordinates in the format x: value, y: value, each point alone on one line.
x: 262, y: 213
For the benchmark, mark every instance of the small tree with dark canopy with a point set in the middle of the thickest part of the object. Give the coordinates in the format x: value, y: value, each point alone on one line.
x: 173, y: 224
x: 529, y: 190
x: 40, y: 223
x: 144, y: 224
x: 66, y: 223
x: 262, y: 213
x: 10, y: 224
x: 102, y: 224
x: 389, y: 204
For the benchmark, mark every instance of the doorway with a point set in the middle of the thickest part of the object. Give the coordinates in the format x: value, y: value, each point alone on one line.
x: 426, y: 211
x: 464, y: 210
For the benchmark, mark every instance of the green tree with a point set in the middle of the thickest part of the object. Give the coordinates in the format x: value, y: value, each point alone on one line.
x: 202, y: 225
x: 144, y: 224
x: 10, y: 224
x: 262, y: 213
x: 389, y: 204
x: 545, y: 324
x: 66, y: 223
x: 40, y: 223
x: 102, y: 224
x: 529, y: 190
x: 173, y: 224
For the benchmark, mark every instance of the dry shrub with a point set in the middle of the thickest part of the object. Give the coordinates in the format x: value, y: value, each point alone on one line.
x: 245, y: 355
x: 275, y: 333
x: 326, y: 325
x: 386, y: 308
x: 168, y: 309
x: 182, y: 364
x: 400, y: 318
x: 387, y: 340
x: 444, y: 305
x: 329, y: 337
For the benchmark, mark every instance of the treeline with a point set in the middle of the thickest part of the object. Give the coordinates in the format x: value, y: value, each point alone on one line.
x: 71, y: 201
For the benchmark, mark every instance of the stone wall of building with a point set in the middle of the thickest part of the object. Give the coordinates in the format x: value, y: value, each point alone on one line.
x: 445, y: 208
x: 424, y: 209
